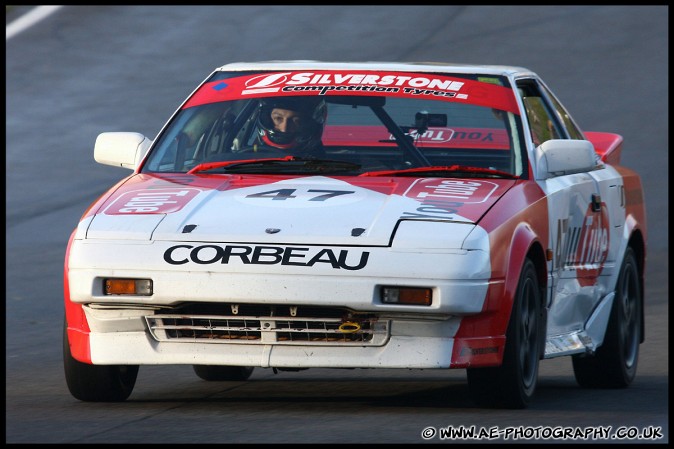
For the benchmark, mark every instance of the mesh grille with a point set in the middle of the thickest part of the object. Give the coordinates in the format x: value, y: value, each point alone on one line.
x: 342, y: 328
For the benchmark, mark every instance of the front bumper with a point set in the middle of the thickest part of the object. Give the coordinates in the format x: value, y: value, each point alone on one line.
x: 122, y: 329
x: 405, y: 344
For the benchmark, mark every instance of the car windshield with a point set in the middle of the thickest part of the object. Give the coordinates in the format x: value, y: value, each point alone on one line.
x: 343, y: 123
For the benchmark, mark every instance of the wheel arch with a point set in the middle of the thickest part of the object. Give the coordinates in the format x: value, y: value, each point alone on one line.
x: 537, y: 255
x: 75, y: 322
x: 527, y: 244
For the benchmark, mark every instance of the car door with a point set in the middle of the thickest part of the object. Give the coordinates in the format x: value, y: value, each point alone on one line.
x: 582, y: 231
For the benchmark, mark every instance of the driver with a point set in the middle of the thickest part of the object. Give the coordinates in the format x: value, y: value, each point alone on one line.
x: 293, y: 124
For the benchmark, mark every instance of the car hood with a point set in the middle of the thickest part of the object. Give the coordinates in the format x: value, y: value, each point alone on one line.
x: 285, y: 209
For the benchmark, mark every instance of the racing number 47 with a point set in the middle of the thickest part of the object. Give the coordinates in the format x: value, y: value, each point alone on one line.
x: 284, y: 194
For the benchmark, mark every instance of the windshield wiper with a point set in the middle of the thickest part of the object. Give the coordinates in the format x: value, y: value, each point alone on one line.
x: 287, y: 164
x: 444, y: 170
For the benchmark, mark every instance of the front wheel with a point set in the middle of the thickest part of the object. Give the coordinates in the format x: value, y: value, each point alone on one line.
x: 512, y: 384
x: 614, y: 365
x: 223, y: 373
x: 97, y: 383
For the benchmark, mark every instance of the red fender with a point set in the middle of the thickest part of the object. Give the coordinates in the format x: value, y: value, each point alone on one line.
x: 76, y: 321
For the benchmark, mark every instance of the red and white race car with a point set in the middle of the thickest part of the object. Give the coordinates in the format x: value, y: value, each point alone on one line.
x: 301, y: 214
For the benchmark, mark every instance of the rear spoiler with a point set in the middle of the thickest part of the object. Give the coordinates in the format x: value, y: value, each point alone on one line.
x: 607, y: 145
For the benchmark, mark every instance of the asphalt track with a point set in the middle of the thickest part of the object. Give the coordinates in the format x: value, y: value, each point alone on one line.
x: 83, y: 70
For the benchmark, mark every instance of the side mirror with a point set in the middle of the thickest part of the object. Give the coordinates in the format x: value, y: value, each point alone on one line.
x: 563, y: 157
x: 121, y: 149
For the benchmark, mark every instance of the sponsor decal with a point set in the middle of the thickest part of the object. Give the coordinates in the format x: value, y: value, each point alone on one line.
x: 438, y: 135
x: 497, y: 138
x: 324, y: 82
x: 151, y: 201
x: 480, y: 136
x: 433, y: 137
x: 584, y: 246
x: 441, y: 199
x: 401, y: 84
x: 265, y: 255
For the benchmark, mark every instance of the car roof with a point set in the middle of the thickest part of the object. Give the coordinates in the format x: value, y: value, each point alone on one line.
x: 431, y: 67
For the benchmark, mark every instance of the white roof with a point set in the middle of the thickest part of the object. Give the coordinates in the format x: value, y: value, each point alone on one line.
x: 376, y: 65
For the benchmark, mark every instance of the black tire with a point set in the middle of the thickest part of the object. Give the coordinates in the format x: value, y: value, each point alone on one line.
x: 216, y: 373
x: 97, y: 383
x: 512, y: 385
x: 614, y: 364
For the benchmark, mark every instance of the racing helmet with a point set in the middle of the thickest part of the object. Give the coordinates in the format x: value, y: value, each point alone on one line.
x: 313, y: 111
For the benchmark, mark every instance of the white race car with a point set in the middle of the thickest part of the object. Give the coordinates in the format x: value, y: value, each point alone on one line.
x: 300, y: 214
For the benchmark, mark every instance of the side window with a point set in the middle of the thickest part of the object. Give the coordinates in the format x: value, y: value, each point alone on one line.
x: 542, y: 122
x: 564, y: 116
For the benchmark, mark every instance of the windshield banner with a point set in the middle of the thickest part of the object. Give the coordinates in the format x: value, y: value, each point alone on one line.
x: 386, y: 84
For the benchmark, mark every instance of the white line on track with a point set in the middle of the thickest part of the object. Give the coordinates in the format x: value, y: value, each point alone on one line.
x: 31, y: 18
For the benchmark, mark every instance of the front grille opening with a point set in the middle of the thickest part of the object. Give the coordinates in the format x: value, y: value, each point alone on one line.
x: 308, y: 326
x: 212, y: 328
x: 323, y: 332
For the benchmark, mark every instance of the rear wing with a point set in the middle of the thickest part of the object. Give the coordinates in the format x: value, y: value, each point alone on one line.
x: 607, y: 145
